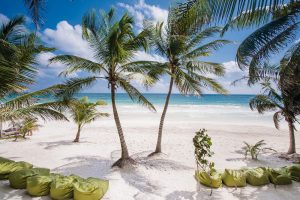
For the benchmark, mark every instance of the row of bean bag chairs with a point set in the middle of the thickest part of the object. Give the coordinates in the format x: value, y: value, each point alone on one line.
x: 40, y: 182
x: 255, y: 176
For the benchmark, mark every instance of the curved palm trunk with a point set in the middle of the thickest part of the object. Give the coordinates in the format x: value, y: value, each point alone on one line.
x: 162, y: 119
x: 124, y: 150
x: 78, y: 134
x: 292, y: 146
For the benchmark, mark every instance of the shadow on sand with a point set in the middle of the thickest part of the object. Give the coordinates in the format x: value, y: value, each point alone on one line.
x: 56, y: 144
x: 86, y: 166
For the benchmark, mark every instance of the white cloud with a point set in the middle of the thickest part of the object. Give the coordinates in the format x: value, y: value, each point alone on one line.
x: 3, y: 19
x: 67, y: 38
x: 142, y: 11
x: 231, y: 66
x: 141, y: 55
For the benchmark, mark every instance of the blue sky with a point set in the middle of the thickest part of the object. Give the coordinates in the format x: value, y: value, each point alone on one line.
x: 62, y: 30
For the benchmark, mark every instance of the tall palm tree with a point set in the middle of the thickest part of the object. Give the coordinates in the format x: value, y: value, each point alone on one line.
x: 182, y: 45
x: 114, y: 45
x: 272, y: 100
x: 84, y: 112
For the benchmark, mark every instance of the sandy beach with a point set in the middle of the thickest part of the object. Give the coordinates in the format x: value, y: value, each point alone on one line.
x: 168, y: 176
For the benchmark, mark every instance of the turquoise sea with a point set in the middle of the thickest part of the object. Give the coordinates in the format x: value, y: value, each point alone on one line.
x: 176, y: 99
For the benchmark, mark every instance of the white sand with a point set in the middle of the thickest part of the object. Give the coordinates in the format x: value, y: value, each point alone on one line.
x: 168, y: 176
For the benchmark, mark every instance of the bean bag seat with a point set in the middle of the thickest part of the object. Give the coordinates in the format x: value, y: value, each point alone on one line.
x: 213, y: 180
x: 38, y: 185
x: 41, y: 171
x: 279, y: 177
x: 234, y: 178
x: 294, y: 171
x: 62, y: 188
x: 257, y: 177
x: 5, y: 160
x: 18, y: 179
x: 7, y: 167
x: 90, y: 189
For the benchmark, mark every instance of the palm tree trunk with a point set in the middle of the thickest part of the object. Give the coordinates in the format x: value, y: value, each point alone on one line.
x: 1, y: 127
x: 78, y: 134
x: 292, y: 146
x: 124, y: 150
x: 162, y: 119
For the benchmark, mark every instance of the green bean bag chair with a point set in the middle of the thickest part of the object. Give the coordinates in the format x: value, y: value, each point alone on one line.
x: 279, y: 177
x: 7, y: 167
x: 257, y: 177
x: 294, y: 171
x: 62, y: 188
x: 18, y: 179
x: 234, y: 178
x: 213, y: 180
x: 38, y: 185
x: 90, y: 189
x: 5, y: 160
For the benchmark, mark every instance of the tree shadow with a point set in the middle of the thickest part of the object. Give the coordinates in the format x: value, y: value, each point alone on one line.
x: 201, y: 192
x: 145, y: 184
x: 55, y: 144
x: 86, y: 166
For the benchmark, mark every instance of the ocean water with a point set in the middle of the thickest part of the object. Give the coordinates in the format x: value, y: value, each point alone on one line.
x: 176, y: 99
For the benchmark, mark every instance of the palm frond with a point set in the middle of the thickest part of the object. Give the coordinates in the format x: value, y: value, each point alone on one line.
x: 74, y: 85
x: 75, y: 64
x: 269, y: 39
x: 35, y: 8
x: 207, y: 48
x: 262, y: 103
x: 135, y: 95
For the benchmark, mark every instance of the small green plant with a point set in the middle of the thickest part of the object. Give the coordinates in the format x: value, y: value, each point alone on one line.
x: 202, y: 143
x: 256, y: 149
x: 83, y: 112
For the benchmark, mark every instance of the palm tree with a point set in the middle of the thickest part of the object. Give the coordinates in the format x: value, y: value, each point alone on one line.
x: 84, y: 112
x: 18, y: 50
x: 28, y: 125
x: 271, y: 100
x: 114, y: 45
x: 182, y: 45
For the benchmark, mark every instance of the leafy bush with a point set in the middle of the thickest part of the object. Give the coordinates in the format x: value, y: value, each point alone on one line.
x: 202, y: 143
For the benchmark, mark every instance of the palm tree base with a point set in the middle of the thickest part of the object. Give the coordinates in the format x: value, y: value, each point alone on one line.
x: 75, y: 140
x: 154, y: 153
x: 122, y: 162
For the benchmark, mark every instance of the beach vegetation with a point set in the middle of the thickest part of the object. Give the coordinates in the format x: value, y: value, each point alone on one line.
x: 84, y: 112
x: 256, y: 149
x: 18, y: 70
